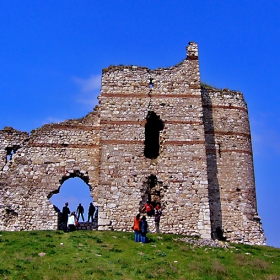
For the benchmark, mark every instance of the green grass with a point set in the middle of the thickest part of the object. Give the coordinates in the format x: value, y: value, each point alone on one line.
x: 114, y: 255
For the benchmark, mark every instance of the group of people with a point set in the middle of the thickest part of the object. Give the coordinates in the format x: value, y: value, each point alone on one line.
x: 91, y: 211
x: 140, y: 225
x: 153, y: 211
x: 71, y: 219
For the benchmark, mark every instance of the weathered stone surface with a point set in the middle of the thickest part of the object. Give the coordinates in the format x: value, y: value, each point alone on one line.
x: 204, y: 168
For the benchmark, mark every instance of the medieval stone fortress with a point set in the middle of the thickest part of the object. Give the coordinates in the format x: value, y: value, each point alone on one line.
x: 156, y: 134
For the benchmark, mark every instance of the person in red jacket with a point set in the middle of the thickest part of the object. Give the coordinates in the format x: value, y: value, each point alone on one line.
x: 136, y: 228
x: 148, y: 207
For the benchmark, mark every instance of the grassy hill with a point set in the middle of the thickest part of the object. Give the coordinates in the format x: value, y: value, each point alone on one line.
x: 114, y: 255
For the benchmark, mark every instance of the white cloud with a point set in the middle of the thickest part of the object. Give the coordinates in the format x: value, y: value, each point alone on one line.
x: 93, y: 83
x: 88, y: 99
x: 89, y: 90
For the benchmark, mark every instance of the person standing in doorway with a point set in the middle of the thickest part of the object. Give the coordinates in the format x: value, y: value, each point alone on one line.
x: 72, y: 222
x: 65, y: 213
x: 148, y: 207
x: 80, y: 212
x: 91, y: 211
x: 158, y: 213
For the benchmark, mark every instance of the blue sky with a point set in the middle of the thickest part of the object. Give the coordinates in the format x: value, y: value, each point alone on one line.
x: 52, y: 54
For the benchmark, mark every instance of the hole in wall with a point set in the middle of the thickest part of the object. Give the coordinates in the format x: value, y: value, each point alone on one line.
x: 151, y: 84
x: 10, y: 151
x: 153, y: 191
x: 153, y: 127
x: 220, y: 234
x: 10, y: 216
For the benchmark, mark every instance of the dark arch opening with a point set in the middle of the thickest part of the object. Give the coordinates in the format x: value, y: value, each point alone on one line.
x: 152, y: 128
x: 153, y: 191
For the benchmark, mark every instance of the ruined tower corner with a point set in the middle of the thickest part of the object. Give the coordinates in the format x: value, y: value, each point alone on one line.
x: 192, y: 51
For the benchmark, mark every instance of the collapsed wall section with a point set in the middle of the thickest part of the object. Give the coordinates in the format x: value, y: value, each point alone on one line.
x: 232, y: 192
x: 43, y: 162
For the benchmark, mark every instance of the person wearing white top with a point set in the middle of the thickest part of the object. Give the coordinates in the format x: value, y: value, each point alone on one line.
x: 71, y: 221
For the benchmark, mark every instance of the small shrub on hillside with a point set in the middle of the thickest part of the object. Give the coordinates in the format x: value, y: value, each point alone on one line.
x: 162, y: 254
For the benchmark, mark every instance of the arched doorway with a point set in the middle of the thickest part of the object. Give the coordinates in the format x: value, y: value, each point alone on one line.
x: 74, y: 191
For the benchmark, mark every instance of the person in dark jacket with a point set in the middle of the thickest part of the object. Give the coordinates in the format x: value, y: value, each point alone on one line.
x: 158, y: 213
x: 80, y: 212
x: 91, y: 211
x: 143, y: 229
x: 65, y: 213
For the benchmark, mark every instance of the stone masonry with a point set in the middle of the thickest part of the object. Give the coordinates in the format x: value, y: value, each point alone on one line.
x: 156, y: 134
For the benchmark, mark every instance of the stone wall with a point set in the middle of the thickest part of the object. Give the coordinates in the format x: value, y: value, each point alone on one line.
x: 156, y: 134
x: 230, y: 166
x: 43, y: 161
x: 128, y: 94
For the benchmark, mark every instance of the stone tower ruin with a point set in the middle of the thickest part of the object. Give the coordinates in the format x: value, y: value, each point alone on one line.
x: 156, y: 135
